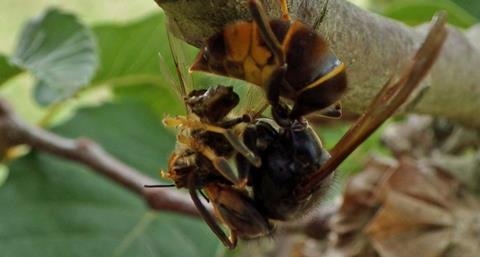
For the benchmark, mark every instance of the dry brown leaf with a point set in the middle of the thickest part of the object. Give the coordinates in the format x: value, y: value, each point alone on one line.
x: 409, y: 179
x: 414, y: 243
x: 411, y: 209
x: 403, y: 213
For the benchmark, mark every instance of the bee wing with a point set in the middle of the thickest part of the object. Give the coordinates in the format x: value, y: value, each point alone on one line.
x: 252, y: 98
x: 387, y: 101
x: 184, y: 82
x: 256, y: 101
x: 168, y: 78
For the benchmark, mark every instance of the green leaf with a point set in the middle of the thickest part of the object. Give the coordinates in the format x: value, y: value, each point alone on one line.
x: 60, y: 52
x: 7, y: 69
x: 158, y: 98
x: 471, y: 6
x: 3, y: 173
x: 50, y: 207
x: 414, y: 12
x: 129, y: 53
x: 133, y: 66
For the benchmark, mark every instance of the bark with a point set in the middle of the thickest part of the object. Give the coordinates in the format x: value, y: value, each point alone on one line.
x: 373, y: 47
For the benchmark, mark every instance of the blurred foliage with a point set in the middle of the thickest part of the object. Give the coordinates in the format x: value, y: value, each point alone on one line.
x: 129, y: 52
x: 59, y: 51
x: 417, y: 12
x: 51, y: 207
x: 3, y: 173
x: 462, y: 13
x: 7, y: 70
x: 471, y: 6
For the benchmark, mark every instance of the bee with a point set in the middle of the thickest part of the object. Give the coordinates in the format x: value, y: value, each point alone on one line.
x: 210, y: 154
x: 206, y: 142
x: 280, y: 168
x: 286, y: 58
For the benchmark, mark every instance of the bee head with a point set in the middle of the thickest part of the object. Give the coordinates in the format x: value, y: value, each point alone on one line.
x: 214, y: 103
x: 211, y: 57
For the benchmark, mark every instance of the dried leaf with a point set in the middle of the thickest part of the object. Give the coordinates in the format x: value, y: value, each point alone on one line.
x: 402, y: 213
x: 410, y: 180
x: 414, y: 243
x: 408, y: 209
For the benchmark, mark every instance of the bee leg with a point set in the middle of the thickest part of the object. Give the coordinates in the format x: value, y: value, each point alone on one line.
x: 385, y: 103
x: 233, y: 122
x: 204, y: 196
x: 207, y: 216
x: 159, y: 186
x: 220, y: 164
x: 333, y: 111
x: 195, y: 124
x: 284, y: 6
x: 238, y: 212
x: 243, y: 166
x: 233, y: 139
x: 280, y: 111
x: 240, y: 147
x: 233, y: 238
x: 260, y: 18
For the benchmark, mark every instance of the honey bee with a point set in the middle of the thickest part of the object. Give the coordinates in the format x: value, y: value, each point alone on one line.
x: 210, y: 153
x: 280, y: 168
x: 287, y: 59
x: 206, y: 142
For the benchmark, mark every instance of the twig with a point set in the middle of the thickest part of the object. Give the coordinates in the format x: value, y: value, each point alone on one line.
x: 14, y: 131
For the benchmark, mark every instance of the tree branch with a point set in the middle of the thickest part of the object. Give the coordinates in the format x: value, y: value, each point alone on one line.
x: 373, y: 48
x: 14, y: 131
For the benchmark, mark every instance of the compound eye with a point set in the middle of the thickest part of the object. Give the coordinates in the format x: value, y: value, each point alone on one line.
x: 202, y: 60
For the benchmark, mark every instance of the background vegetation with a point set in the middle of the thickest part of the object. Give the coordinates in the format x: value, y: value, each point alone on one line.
x: 96, y: 74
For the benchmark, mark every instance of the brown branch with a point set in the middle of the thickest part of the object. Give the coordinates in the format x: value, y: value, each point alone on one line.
x: 14, y: 131
x: 373, y: 48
